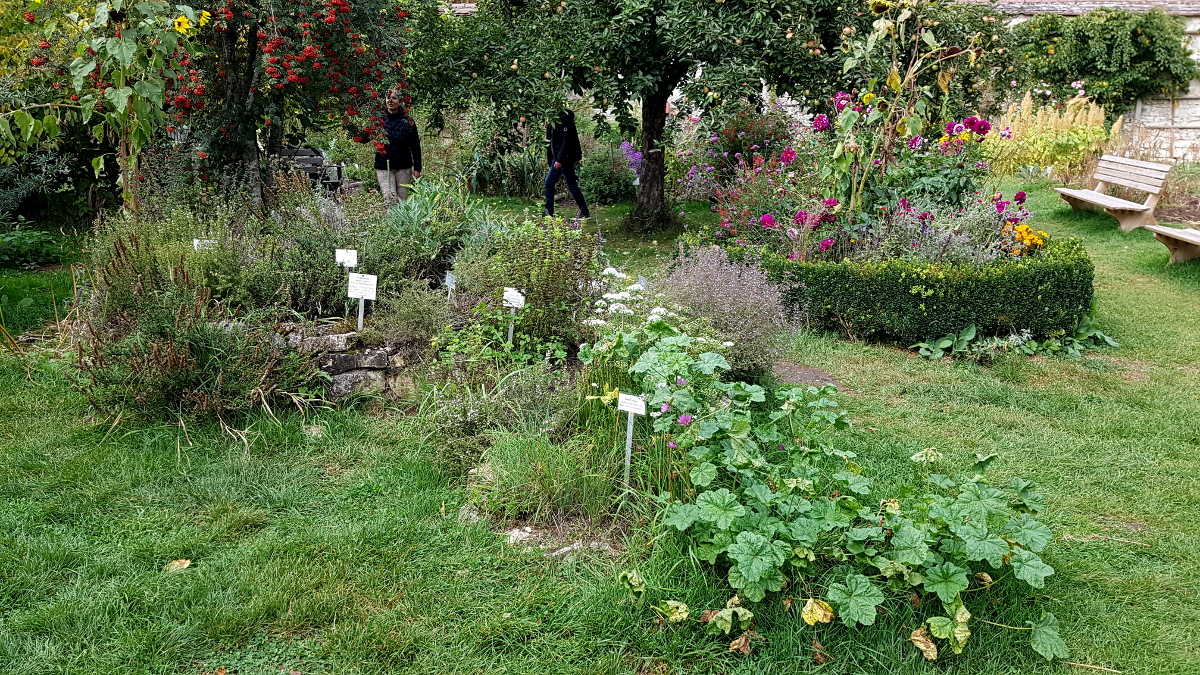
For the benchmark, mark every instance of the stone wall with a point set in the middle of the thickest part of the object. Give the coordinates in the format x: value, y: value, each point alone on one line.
x: 371, y: 370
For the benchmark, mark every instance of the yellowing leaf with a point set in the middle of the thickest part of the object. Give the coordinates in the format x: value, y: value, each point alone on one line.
x: 920, y: 638
x: 742, y: 644
x: 177, y: 565
x: 816, y: 610
x: 893, y: 80
x: 943, y: 81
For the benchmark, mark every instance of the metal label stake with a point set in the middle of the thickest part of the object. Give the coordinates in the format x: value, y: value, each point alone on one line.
x: 515, y: 300
x: 362, y: 286
x: 634, y: 405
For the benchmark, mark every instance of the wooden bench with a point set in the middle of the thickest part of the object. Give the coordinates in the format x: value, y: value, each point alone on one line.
x: 1183, y: 244
x: 313, y: 163
x: 1112, y: 170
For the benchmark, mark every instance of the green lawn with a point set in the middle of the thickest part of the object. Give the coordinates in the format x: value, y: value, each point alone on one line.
x: 343, y: 554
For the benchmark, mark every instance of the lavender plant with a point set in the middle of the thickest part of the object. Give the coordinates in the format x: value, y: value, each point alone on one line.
x: 739, y: 301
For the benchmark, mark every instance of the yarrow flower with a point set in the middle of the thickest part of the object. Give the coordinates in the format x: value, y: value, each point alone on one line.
x: 820, y: 122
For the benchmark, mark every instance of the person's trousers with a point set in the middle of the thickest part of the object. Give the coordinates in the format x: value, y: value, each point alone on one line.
x: 568, y: 174
x: 392, y: 182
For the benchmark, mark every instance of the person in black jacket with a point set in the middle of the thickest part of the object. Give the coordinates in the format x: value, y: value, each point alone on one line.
x: 400, y: 160
x: 562, y: 153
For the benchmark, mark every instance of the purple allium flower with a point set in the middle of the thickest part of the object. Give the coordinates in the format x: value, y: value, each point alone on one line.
x: 684, y: 420
x: 820, y: 122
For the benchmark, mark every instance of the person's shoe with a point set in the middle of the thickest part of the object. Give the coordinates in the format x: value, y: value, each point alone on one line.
x: 580, y: 215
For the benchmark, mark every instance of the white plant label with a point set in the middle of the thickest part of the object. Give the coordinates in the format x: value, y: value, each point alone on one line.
x: 644, y: 283
x: 362, y: 286
x: 203, y: 244
x: 631, y: 403
x: 346, y: 257
x: 451, y: 281
x: 513, y: 298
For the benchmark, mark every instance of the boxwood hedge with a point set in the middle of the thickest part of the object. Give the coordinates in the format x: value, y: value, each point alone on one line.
x: 911, y: 301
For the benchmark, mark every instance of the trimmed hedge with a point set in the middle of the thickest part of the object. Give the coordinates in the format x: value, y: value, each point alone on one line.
x: 908, y: 301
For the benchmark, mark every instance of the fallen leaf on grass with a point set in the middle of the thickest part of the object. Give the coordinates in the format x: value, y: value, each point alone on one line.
x: 984, y: 579
x: 735, y: 601
x: 177, y: 565
x: 787, y: 603
x: 707, y: 615
x: 819, y: 653
x: 742, y: 644
x: 816, y: 610
x: 920, y: 638
x: 915, y: 599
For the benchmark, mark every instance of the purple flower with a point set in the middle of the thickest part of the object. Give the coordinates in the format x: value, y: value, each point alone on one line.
x: 684, y: 420
x: 982, y: 127
x: 959, y: 128
x: 679, y: 381
x: 826, y: 245
x: 787, y: 156
x: 792, y: 255
x: 801, y: 217
x: 793, y: 233
x: 821, y: 122
x: 1020, y: 197
x: 665, y: 407
x: 767, y: 220
x: 970, y: 122
x: 915, y: 143
x: 671, y: 444
x: 831, y: 202
x: 950, y: 129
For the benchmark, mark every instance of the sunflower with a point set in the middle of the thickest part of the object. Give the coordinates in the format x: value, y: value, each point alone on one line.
x: 182, y: 24
x: 880, y: 6
x: 204, y: 17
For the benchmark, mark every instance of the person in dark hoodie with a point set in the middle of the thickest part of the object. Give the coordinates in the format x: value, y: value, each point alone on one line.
x: 563, y: 152
x: 400, y: 160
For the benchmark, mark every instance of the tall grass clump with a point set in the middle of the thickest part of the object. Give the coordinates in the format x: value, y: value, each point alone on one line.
x: 1061, y: 140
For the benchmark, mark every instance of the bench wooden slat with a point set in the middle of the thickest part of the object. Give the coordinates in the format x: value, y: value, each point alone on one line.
x: 1186, y: 234
x: 1137, y: 163
x: 1153, y: 175
x: 1135, y: 183
x: 1101, y: 199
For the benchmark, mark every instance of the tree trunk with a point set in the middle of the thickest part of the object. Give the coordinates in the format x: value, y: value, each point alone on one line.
x: 648, y: 213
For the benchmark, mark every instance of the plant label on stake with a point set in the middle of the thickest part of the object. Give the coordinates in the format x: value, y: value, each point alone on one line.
x: 346, y: 257
x: 362, y: 286
x: 643, y: 283
x: 634, y: 405
x: 451, y: 284
x: 515, y: 300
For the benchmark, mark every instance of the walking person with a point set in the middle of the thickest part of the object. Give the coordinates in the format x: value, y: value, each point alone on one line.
x: 563, y: 152
x: 399, y: 162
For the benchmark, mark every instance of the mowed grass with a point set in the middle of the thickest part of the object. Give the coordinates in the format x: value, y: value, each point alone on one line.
x: 343, y: 554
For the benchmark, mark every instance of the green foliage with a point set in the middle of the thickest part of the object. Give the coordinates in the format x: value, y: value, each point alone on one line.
x: 28, y: 247
x: 772, y: 499
x: 1084, y: 336
x: 1046, y: 294
x: 536, y: 477
x: 555, y: 266
x: 606, y: 179
x: 1119, y: 55
x: 187, y: 357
